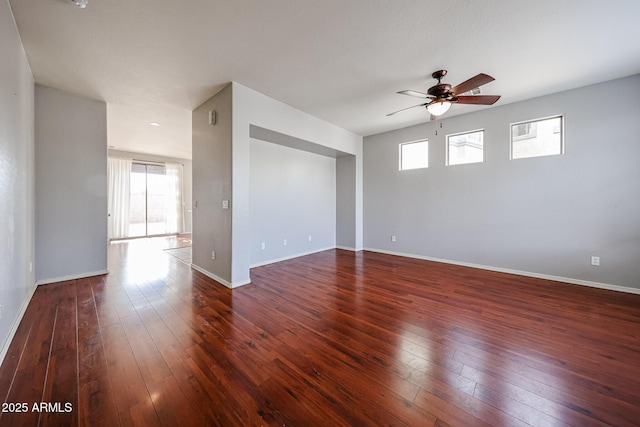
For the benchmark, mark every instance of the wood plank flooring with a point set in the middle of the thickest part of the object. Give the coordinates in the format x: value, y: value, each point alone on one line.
x: 331, y: 339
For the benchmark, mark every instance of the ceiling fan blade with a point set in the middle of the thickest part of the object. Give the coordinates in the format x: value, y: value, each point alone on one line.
x: 472, y: 83
x: 408, y: 108
x: 414, y: 93
x: 477, y: 99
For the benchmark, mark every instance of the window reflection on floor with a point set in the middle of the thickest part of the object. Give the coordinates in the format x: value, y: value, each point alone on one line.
x: 146, y: 258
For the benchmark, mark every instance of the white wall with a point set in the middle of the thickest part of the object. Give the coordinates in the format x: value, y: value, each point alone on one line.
x: 292, y: 197
x: 544, y: 215
x: 187, y: 197
x: 17, y: 230
x: 71, y: 185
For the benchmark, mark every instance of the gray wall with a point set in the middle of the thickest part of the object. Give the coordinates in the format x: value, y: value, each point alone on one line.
x: 346, y: 205
x: 71, y: 185
x: 544, y: 215
x: 222, y: 171
x: 211, y: 185
x: 252, y: 109
x: 17, y: 280
x: 187, y: 184
x: 292, y: 197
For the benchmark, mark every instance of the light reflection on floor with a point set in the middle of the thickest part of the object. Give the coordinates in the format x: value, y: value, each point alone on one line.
x: 146, y: 258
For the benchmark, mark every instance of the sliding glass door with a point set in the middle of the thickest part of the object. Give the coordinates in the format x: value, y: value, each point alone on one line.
x: 148, y: 200
x: 145, y: 199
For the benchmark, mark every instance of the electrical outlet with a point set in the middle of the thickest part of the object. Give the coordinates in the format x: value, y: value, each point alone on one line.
x: 393, y: 238
x: 285, y: 242
x: 595, y: 260
x: 213, y: 254
x: 309, y: 237
x: 30, y: 266
x: 263, y: 246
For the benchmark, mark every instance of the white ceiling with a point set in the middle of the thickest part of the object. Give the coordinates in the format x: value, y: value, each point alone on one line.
x: 342, y: 61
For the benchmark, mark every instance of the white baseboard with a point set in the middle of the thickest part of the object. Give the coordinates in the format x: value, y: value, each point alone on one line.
x: 220, y: 279
x: 516, y: 272
x: 72, y: 277
x: 272, y: 261
x: 346, y: 248
x: 16, y: 323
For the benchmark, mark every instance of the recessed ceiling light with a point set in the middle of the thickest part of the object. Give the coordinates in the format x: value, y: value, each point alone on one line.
x: 154, y: 123
x: 80, y: 3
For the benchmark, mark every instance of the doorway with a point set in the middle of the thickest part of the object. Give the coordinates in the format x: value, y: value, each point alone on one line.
x: 152, y: 200
x: 148, y: 210
x: 145, y: 198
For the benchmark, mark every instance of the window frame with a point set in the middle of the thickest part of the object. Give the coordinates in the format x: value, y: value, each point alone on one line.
x: 446, y: 141
x: 417, y: 141
x: 541, y: 119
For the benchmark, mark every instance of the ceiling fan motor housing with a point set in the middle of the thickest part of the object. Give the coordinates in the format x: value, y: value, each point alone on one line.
x: 441, y: 90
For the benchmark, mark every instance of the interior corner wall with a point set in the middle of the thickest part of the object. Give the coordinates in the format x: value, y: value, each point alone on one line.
x: 70, y: 185
x: 253, y: 108
x: 211, y: 164
x: 293, y: 199
x: 544, y: 215
x: 17, y: 200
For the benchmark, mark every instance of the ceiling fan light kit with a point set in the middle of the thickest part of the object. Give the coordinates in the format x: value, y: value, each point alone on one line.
x: 438, y: 108
x: 442, y: 95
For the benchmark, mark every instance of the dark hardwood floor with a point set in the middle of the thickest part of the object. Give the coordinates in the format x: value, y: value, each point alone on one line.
x: 331, y: 339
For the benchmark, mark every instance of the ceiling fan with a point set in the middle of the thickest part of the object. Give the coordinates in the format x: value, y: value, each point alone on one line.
x: 442, y: 95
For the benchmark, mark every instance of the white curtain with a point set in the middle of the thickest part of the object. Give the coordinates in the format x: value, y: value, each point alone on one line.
x: 174, y: 218
x: 119, y: 174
